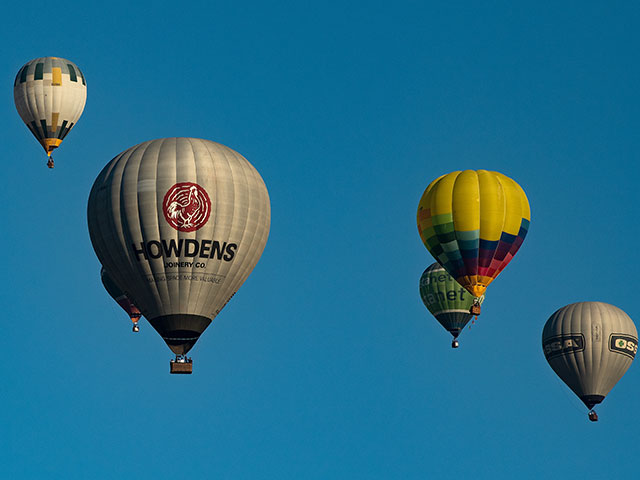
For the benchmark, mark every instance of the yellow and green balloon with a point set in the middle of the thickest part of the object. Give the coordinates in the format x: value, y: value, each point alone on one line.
x: 473, y: 222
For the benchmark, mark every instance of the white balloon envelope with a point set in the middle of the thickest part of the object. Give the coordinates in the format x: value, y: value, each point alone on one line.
x: 590, y: 345
x: 179, y: 223
x: 50, y: 94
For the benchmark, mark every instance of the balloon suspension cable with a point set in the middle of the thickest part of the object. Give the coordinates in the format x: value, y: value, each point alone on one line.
x: 182, y: 358
x: 593, y: 416
x: 50, y: 162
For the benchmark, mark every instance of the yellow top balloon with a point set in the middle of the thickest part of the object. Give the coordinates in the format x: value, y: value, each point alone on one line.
x: 473, y: 223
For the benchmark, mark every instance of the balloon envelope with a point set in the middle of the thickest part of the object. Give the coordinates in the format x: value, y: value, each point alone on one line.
x: 590, y: 345
x: 179, y: 223
x: 446, y: 299
x: 473, y: 223
x: 50, y: 94
x: 119, y: 296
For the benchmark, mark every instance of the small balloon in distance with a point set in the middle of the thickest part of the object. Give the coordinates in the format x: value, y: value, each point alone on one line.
x: 50, y: 94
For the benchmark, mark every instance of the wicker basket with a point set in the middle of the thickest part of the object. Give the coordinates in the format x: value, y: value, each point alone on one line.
x: 181, y: 367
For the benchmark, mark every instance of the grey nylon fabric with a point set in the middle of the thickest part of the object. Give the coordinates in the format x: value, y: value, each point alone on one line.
x: 597, y: 368
x: 125, y: 211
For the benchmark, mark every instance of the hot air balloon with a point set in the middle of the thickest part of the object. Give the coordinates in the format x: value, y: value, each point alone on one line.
x: 121, y: 298
x: 473, y: 223
x: 179, y: 223
x: 590, y: 345
x: 50, y: 93
x: 447, y: 300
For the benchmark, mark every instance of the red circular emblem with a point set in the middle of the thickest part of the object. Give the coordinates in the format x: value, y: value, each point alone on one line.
x: 186, y: 206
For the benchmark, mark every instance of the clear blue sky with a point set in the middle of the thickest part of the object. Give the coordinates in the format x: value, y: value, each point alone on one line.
x: 326, y: 365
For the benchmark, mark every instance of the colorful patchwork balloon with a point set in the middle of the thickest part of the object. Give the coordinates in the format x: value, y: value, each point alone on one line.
x: 473, y: 223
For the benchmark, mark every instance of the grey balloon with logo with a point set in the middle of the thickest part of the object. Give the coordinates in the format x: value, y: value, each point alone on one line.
x: 179, y: 223
x: 590, y: 345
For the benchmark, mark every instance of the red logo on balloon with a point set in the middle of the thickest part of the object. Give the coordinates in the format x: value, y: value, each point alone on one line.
x: 186, y: 206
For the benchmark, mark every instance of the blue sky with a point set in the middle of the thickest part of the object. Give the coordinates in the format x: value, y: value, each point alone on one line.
x: 326, y: 364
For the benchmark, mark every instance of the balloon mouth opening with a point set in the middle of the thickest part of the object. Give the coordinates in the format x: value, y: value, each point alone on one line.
x: 180, y: 331
x: 477, y: 289
x: 455, y: 332
x: 50, y: 144
x: 591, y: 400
x: 181, y: 341
x: 181, y: 336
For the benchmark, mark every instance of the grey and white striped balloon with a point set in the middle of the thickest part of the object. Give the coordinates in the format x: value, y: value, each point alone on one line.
x: 179, y: 223
x: 590, y: 345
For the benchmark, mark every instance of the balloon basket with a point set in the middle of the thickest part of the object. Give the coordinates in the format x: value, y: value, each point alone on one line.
x: 475, y: 309
x: 181, y: 366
